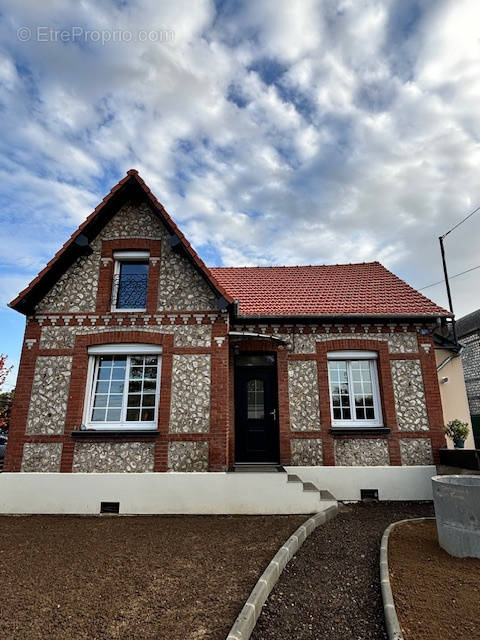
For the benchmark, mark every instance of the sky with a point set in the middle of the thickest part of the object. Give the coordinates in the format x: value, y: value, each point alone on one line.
x: 274, y: 132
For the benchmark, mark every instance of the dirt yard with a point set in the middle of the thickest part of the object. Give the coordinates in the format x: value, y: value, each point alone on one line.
x: 331, y: 589
x: 437, y: 597
x: 105, y: 578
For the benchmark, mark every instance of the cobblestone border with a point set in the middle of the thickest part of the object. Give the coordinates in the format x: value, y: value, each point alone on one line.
x: 248, y: 616
x: 392, y: 624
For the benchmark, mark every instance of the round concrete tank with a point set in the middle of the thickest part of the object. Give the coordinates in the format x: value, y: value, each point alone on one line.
x: 457, y: 510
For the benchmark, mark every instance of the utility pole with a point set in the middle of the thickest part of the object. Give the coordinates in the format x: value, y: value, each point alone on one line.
x: 447, y: 283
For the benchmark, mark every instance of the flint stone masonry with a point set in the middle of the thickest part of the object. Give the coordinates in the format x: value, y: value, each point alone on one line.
x: 48, y: 403
x: 190, y: 396
x: 303, y: 395
x: 409, y: 395
x: 361, y: 452
x: 185, y: 335
x: 306, y: 452
x: 41, y: 457
x: 397, y: 342
x: 134, y: 221
x: 416, y: 451
x: 180, y: 287
x: 113, y: 457
x: 188, y: 456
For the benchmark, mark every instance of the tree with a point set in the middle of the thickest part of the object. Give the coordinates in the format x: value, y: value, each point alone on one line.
x: 4, y: 370
x: 6, y: 398
x: 6, y: 401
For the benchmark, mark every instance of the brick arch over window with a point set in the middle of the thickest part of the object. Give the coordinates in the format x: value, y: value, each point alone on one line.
x: 385, y: 385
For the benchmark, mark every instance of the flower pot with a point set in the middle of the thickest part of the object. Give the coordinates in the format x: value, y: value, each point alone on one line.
x: 459, y: 444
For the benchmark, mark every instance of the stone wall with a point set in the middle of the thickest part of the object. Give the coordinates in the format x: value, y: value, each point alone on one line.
x: 306, y: 452
x: 188, y: 456
x: 41, y: 457
x: 48, y: 403
x: 360, y: 452
x: 113, y: 457
x: 416, y: 451
x: 303, y: 395
x: 180, y: 287
x: 185, y: 335
x: 471, y: 369
x: 405, y: 342
x: 409, y: 395
x: 190, y: 397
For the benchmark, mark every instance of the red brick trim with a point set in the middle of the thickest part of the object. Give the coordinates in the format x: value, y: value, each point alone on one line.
x: 21, y: 402
x: 106, y: 269
x: 432, y: 396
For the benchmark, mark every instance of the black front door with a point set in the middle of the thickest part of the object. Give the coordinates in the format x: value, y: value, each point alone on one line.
x: 256, y: 408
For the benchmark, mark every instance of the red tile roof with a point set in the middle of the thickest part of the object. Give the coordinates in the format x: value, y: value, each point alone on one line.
x: 341, y: 289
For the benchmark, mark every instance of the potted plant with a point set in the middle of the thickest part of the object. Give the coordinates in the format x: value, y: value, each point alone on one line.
x: 458, y: 432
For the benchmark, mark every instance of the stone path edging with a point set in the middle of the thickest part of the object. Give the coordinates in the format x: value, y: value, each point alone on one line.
x: 248, y: 616
x: 394, y: 631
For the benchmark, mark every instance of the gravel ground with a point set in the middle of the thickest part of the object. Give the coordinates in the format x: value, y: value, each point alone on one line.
x: 331, y: 588
x: 129, y: 578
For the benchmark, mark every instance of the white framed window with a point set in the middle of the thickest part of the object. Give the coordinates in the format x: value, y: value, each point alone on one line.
x: 354, y: 389
x: 130, y: 280
x: 123, y: 387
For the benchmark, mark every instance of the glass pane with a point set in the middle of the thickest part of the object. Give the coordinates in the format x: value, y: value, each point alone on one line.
x: 137, y: 360
x: 337, y: 414
x: 98, y: 415
x: 255, y: 400
x: 104, y: 372
x: 150, y: 372
x: 132, y: 283
x: 115, y: 400
x: 147, y: 415
x: 255, y: 360
x: 135, y: 386
x: 133, y: 415
x: 136, y: 373
x: 102, y: 387
x: 149, y: 385
x: 148, y: 401
x: 151, y: 360
x: 116, y: 387
x: 100, y: 400
x: 113, y: 415
x: 134, y: 400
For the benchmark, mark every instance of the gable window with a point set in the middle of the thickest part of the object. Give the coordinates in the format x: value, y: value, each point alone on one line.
x: 124, y: 387
x: 354, y: 390
x: 130, y: 280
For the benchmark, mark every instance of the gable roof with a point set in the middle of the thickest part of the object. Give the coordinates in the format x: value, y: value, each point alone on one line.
x: 363, y: 289
x: 132, y: 184
x: 469, y: 323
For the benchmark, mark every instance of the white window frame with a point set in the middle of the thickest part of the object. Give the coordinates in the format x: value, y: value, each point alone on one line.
x: 354, y: 423
x: 119, y: 257
x: 127, y: 349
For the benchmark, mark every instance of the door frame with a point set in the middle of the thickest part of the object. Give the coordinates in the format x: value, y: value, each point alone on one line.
x: 274, y: 378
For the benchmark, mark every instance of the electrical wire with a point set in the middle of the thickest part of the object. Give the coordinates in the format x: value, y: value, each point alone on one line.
x: 450, y: 277
x: 461, y: 222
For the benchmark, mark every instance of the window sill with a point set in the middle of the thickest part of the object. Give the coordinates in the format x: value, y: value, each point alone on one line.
x: 115, y: 433
x: 349, y: 431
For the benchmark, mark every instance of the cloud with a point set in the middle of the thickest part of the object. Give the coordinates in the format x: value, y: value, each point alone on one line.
x: 273, y: 132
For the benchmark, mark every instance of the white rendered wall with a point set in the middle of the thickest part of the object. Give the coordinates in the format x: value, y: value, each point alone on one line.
x: 393, y: 483
x: 143, y: 493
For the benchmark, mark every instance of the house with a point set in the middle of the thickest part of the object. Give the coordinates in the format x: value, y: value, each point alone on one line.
x: 468, y: 331
x: 139, y: 358
x: 448, y: 355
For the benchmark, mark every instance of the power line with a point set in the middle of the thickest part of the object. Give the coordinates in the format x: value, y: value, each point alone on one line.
x: 469, y: 215
x: 454, y: 276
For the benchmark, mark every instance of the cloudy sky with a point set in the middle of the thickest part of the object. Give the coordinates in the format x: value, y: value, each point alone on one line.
x: 274, y: 131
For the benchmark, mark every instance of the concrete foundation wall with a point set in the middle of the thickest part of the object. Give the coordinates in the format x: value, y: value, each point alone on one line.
x: 393, y: 483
